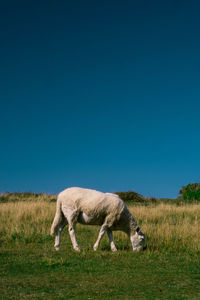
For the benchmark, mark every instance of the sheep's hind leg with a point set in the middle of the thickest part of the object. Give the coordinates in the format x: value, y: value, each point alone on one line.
x: 72, y: 235
x: 58, y: 233
x: 110, y: 236
x: 71, y: 216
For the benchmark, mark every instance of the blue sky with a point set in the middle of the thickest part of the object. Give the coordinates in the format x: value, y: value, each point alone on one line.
x: 100, y: 94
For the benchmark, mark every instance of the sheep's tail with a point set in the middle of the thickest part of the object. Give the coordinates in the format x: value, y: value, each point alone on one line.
x: 57, y: 217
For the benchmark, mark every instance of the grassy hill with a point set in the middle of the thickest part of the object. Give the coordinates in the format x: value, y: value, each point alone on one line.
x: 27, y: 196
x: 32, y: 269
x: 130, y: 197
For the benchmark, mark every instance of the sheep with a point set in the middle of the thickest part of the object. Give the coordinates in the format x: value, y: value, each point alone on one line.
x: 91, y: 207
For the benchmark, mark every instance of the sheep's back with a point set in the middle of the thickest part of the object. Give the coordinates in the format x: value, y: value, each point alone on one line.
x: 92, y: 202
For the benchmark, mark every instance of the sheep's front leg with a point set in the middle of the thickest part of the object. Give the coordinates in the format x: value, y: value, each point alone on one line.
x: 101, y: 233
x: 110, y: 236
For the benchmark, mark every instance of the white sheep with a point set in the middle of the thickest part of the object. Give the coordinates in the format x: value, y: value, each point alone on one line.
x: 91, y: 207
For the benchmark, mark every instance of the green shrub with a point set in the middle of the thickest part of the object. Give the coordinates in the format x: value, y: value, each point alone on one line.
x: 191, y: 192
x: 130, y: 196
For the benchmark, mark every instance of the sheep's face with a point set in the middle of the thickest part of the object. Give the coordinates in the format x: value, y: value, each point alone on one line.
x: 138, y: 241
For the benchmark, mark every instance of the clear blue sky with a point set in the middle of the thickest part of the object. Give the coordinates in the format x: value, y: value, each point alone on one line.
x: 100, y: 94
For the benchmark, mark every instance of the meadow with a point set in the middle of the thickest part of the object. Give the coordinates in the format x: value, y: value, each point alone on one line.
x: 30, y: 268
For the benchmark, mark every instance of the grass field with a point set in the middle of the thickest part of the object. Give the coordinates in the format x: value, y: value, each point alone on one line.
x: 31, y: 269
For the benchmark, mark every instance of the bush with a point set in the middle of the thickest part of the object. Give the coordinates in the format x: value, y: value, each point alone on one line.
x: 130, y: 196
x: 191, y: 192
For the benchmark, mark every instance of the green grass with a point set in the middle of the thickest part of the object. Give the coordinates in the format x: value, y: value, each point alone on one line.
x: 36, y: 271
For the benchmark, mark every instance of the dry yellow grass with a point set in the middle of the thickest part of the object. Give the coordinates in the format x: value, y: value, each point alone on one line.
x: 166, y: 226
x: 25, y: 219
x: 170, y: 226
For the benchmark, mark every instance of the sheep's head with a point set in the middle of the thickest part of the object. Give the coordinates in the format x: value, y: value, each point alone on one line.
x: 138, y: 241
